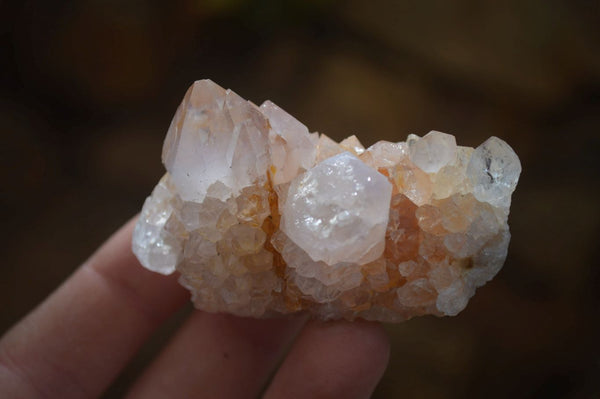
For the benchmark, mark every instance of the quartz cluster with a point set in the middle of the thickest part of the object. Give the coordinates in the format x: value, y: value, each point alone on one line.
x: 261, y: 217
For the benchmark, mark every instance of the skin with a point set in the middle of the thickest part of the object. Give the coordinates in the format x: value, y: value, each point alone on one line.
x: 75, y: 343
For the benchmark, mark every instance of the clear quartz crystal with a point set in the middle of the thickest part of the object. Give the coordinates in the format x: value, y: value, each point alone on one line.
x: 292, y: 148
x: 215, y: 136
x: 494, y: 169
x: 261, y: 217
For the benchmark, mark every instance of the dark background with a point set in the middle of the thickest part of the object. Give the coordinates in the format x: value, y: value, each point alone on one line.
x: 88, y: 88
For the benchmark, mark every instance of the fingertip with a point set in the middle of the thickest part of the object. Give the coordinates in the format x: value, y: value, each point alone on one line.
x: 375, y: 344
x: 334, y: 359
x: 362, y: 349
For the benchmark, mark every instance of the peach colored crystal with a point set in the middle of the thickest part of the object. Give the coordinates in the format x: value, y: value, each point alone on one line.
x: 261, y: 217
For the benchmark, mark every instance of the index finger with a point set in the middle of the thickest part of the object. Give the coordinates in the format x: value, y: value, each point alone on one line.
x: 76, y: 342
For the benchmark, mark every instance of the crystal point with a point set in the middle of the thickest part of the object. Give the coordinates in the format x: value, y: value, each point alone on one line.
x: 216, y: 136
x: 293, y: 149
x: 433, y: 151
x: 494, y: 170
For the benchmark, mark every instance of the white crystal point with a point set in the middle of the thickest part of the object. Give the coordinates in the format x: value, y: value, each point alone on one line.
x: 215, y: 136
x: 433, y: 151
x: 384, y: 154
x: 326, y: 148
x: 293, y: 149
x: 353, y: 145
x: 155, y: 247
x: 338, y: 211
x: 494, y: 170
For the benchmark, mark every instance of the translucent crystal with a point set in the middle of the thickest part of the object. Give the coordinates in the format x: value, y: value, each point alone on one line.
x: 260, y: 217
x: 384, y: 154
x: 216, y: 136
x: 338, y: 211
x: 326, y: 148
x: 494, y: 170
x: 157, y: 248
x: 352, y: 145
x: 293, y: 149
x: 433, y: 151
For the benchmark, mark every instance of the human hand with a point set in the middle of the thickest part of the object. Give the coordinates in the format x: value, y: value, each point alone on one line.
x: 77, y: 341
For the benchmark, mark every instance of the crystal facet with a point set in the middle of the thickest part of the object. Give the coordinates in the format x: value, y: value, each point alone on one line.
x: 261, y: 217
x: 338, y: 211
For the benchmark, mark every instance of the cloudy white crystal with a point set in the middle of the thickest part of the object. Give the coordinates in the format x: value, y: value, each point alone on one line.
x: 338, y: 211
x: 261, y: 218
x: 156, y: 248
x: 433, y: 151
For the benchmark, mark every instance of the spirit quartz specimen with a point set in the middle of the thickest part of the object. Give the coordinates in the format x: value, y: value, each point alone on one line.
x: 261, y: 217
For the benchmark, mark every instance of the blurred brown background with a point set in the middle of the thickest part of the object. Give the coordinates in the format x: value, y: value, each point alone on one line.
x: 88, y: 88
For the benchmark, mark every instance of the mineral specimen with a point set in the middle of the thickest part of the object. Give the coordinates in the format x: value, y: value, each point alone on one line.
x: 261, y: 217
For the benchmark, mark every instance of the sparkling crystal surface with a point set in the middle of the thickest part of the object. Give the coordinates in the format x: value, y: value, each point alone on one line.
x: 260, y: 217
x: 338, y: 211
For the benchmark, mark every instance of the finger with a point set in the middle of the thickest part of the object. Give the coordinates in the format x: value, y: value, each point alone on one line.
x: 218, y: 356
x: 75, y: 343
x: 333, y: 360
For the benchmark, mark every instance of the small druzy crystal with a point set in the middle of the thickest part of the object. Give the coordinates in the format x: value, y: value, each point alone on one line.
x: 261, y: 217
